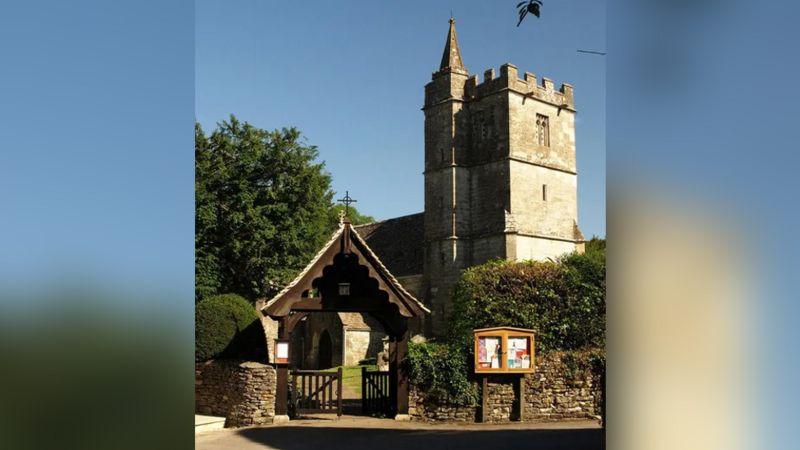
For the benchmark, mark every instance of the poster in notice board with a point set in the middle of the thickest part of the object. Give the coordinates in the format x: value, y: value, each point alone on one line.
x: 489, y: 351
x: 518, y: 353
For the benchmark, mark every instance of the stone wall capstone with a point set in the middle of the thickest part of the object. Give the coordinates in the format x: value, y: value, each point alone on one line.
x: 241, y: 391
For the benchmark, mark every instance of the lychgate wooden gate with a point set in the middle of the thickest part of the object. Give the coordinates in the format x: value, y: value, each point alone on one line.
x: 375, y: 398
x: 315, y: 391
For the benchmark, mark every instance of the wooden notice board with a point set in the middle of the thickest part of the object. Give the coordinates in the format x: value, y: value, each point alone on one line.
x: 504, y: 350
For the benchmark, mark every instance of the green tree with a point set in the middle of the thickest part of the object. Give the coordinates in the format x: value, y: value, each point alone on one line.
x: 263, y: 208
x: 356, y: 218
x: 596, y: 246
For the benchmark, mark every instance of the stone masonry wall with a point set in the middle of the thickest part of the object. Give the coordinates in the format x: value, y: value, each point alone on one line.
x: 242, y: 392
x: 421, y: 409
x: 502, y: 396
x: 556, y: 391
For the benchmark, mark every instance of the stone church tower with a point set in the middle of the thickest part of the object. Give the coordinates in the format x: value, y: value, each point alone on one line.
x: 500, y: 173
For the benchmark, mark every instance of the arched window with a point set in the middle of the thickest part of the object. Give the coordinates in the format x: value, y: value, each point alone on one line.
x: 543, y: 130
x: 325, y: 360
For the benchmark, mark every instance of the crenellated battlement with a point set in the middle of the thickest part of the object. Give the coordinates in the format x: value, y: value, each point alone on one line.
x: 509, y: 80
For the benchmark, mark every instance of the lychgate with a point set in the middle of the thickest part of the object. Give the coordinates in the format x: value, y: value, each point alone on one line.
x: 347, y: 276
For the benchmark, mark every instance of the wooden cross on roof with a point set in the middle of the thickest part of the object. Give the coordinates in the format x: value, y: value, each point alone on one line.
x: 347, y: 200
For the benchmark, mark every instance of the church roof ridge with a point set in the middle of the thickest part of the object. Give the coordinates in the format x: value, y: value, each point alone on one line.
x: 378, y: 222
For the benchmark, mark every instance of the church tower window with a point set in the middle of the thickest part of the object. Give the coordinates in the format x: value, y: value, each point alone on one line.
x: 486, y: 125
x: 483, y: 126
x: 544, y: 192
x: 543, y: 130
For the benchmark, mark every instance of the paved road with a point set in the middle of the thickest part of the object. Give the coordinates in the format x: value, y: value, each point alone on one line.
x: 377, y: 434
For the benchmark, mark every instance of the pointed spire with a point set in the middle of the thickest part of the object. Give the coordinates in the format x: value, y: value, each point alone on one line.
x: 451, y: 59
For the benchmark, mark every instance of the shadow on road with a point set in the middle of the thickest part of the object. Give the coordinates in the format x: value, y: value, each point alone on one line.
x: 290, y: 438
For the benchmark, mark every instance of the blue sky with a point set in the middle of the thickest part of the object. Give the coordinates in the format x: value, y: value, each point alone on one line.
x: 350, y: 75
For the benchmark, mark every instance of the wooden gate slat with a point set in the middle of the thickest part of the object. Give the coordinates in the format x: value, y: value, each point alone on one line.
x: 325, y: 399
x: 339, y: 392
x: 374, y: 392
x: 316, y: 391
x: 330, y: 389
x: 306, y: 393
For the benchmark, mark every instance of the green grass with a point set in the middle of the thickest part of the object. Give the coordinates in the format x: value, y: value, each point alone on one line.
x: 351, y: 375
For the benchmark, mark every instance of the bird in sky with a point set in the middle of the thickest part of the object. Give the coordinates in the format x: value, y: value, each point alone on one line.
x: 532, y: 6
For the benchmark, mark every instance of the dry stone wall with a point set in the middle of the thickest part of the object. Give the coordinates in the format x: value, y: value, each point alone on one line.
x: 501, y: 399
x: 558, y: 390
x: 420, y: 408
x: 242, y: 392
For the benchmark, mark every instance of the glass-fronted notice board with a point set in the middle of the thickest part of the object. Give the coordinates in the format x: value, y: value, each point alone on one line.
x: 504, y: 349
x: 518, y: 353
x: 489, y: 352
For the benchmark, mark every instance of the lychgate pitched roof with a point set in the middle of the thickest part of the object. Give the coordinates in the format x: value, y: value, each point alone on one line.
x: 344, y: 241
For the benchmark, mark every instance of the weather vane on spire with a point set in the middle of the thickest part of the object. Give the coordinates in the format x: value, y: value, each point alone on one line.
x: 347, y: 200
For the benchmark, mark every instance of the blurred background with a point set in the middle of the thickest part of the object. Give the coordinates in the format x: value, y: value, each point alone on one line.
x: 702, y: 315
x: 96, y: 230
x: 97, y: 224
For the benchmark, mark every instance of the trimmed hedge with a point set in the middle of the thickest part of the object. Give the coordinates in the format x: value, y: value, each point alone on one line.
x: 227, y: 326
x: 563, y: 301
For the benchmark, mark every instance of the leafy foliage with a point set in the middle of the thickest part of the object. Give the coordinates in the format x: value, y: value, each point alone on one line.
x: 263, y: 208
x: 531, y: 6
x: 564, y: 301
x: 596, y: 247
x: 442, y: 372
x: 578, y: 363
x: 228, y: 326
